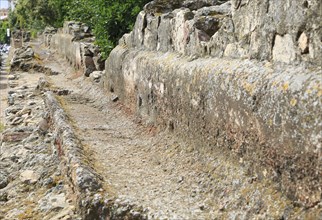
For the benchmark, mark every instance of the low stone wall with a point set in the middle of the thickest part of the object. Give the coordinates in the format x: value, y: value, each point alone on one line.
x: 70, y: 150
x: 68, y: 49
x: 93, y: 202
x: 74, y: 42
x: 266, y: 115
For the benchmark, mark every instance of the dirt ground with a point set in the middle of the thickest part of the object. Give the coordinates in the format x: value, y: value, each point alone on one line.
x: 155, y: 169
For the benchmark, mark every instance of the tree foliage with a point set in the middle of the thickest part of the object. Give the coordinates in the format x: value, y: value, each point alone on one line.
x: 36, y: 14
x: 3, y: 32
x: 109, y: 19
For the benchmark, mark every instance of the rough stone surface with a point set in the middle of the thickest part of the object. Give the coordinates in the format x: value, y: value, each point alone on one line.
x: 232, y: 104
x: 96, y: 76
x: 3, y: 180
x: 53, y: 202
x: 21, y: 57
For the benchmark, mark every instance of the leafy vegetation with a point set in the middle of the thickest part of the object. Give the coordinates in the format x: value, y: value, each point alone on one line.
x: 109, y: 19
x: 3, y: 32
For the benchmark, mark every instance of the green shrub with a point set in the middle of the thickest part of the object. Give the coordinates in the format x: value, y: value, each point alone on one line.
x: 3, y: 32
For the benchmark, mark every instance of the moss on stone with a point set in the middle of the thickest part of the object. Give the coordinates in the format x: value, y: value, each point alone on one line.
x: 2, y: 127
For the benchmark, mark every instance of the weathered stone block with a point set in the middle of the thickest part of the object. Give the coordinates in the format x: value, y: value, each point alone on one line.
x: 283, y: 49
x: 164, y: 33
x: 138, y: 31
x: 151, y: 32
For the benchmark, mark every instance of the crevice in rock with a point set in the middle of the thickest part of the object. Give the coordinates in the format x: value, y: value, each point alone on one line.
x: 208, y: 26
x: 171, y: 126
x: 145, y: 24
x: 273, y: 42
x: 267, y: 6
x: 140, y: 101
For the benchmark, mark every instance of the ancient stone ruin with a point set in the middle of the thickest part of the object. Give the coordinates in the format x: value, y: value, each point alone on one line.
x: 207, y: 110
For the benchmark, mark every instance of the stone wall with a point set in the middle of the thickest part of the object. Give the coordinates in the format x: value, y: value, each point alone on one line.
x: 242, y: 77
x: 75, y: 42
x: 19, y: 37
x: 283, y: 31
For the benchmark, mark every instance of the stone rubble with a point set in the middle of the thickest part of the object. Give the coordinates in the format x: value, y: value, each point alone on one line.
x: 31, y: 183
x: 21, y: 57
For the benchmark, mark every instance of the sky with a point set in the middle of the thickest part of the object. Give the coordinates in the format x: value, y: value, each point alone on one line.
x: 3, y: 3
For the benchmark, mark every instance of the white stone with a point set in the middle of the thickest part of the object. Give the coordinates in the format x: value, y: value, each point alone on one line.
x: 29, y: 176
x: 96, y: 74
x: 181, y: 30
x: 303, y: 43
x: 284, y: 50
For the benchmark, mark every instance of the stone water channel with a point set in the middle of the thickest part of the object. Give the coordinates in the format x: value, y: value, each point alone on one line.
x: 68, y: 151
